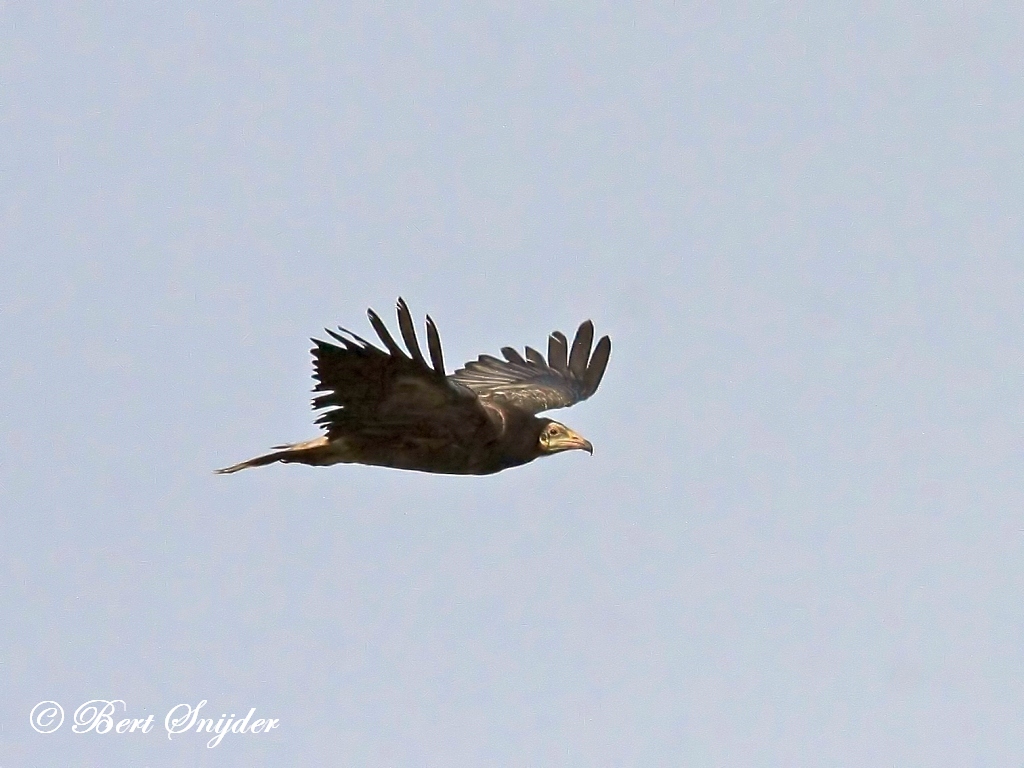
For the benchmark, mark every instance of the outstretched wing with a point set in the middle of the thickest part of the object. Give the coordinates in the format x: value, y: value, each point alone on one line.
x: 535, y: 384
x: 390, y: 392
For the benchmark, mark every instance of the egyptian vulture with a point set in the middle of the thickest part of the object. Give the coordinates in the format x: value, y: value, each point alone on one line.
x: 392, y: 408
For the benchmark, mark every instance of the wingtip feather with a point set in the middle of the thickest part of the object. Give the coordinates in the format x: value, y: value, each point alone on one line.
x: 558, y: 352
x: 597, y: 366
x: 434, y: 346
x: 580, y: 354
x: 408, y: 330
x: 384, y: 334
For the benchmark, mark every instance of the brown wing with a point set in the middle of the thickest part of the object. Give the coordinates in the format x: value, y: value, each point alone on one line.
x: 393, y: 399
x: 535, y: 384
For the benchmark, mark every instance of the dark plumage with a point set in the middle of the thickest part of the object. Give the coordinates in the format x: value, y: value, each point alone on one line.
x: 392, y: 408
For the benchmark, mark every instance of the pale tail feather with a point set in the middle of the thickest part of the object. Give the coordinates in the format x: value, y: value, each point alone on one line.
x: 315, y: 452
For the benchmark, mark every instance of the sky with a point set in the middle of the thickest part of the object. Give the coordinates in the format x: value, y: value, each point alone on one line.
x: 799, y: 540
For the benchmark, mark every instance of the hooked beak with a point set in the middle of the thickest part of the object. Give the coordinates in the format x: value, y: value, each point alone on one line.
x: 572, y: 441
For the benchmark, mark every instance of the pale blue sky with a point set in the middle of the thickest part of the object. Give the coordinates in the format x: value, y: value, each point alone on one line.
x: 799, y: 541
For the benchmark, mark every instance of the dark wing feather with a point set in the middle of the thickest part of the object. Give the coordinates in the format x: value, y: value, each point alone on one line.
x: 580, y: 354
x: 409, y: 332
x: 535, y: 357
x: 434, y: 345
x: 365, y: 388
x: 535, y: 384
x: 558, y: 352
x: 598, y: 363
x: 512, y: 356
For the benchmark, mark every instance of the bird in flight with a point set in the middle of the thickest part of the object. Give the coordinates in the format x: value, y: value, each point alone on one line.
x: 391, y: 408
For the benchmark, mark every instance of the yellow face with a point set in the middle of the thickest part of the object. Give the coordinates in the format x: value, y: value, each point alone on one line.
x: 558, y: 437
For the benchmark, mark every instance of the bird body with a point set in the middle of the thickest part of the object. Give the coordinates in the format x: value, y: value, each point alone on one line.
x: 391, y: 408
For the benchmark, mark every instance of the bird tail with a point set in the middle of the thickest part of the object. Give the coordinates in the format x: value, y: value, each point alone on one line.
x: 309, y: 452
